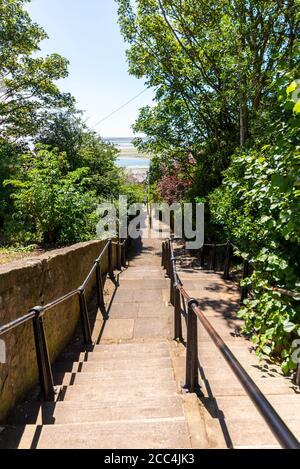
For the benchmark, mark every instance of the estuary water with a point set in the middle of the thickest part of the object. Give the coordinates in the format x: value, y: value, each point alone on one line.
x: 129, y: 156
x: 124, y: 162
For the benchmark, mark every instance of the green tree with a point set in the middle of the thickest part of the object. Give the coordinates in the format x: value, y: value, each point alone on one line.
x: 51, y: 205
x: 217, y: 68
x: 63, y: 130
x: 27, y: 80
x: 83, y: 148
x: 258, y: 207
x: 9, y: 157
x: 211, y: 64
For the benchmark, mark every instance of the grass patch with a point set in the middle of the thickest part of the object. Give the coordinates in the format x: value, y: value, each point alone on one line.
x: 10, y: 254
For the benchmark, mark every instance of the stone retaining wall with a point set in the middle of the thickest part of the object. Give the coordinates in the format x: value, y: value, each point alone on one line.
x: 37, y: 281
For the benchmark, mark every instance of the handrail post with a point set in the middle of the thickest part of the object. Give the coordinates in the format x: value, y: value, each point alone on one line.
x: 169, y: 262
x: 163, y: 255
x: 244, y: 290
x: 85, y: 323
x: 100, y: 288
x: 172, y: 281
x: 150, y: 216
x: 177, y: 315
x: 119, y: 255
x: 111, y: 265
x: 42, y: 355
x: 213, y: 257
x: 124, y: 254
x: 191, y: 379
x: 167, y: 258
x: 202, y: 257
x: 298, y: 375
x: 228, y: 258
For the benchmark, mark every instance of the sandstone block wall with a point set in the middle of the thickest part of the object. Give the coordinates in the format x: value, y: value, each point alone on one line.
x: 38, y: 281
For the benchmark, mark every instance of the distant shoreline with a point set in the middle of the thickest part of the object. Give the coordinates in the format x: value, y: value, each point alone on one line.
x: 131, y: 151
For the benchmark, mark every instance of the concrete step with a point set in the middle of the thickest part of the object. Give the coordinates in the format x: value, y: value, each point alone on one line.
x: 224, y: 383
x: 147, y: 327
x: 287, y: 406
x: 143, y: 284
x: 110, y: 376
x: 219, y: 386
x: 152, y: 310
x: 138, y: 310
x: 255, y: 372
x: 118, y: 391
x: 151, y: 269
x: 199, y: 274
x: 119, y: 349
x: 211, y: 358
x: 152, y: 272
x: 207, y: 285
x: 134, y: 346
x: 108, y: 355
x: 253, y: 432
x: 139, y: 296
x: 241, y: 423
x: 146, y: 262
x: 169, y: 433
x: 50, y: 413
x: 133, y: 364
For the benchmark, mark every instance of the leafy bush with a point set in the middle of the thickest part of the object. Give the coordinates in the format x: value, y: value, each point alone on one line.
x: 51, y: 205
x: 9, y: 154
x: 258, y: 207
x: 134, y: 192
x: 83, y: 148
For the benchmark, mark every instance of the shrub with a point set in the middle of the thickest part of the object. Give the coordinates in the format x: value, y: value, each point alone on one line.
x: 258, y: 206
x: 51, y: 205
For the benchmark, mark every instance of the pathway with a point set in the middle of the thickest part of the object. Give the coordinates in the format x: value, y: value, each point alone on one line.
x: 122, y: 393
x: 125, y: 392
x: 225, y: 403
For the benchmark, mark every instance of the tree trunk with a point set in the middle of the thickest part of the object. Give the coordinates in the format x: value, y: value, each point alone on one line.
x: 243, y: 125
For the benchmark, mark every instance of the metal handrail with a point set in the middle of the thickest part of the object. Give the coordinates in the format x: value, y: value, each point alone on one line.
x: 246, y: 272
x: 16, y: 323
x: 246, y: 264
x: 36, y: 313
x: 280, y: 430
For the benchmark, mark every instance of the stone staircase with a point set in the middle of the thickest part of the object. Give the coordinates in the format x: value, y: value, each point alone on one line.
x: 125, y: 391
x: 122, y: 392
x: 229, y: 417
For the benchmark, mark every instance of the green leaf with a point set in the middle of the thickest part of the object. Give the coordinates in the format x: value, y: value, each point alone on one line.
x: 267, y: 350
x: 296, y: 108
x: 292, y: 87
x: 288, y: 326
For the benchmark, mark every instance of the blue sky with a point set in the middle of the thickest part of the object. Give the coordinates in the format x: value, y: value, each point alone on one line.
x: 87, y: 34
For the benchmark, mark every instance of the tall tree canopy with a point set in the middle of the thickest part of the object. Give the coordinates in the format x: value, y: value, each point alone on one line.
x: 227, y: 113
x: 27, y: 80
x: 211, y: 64
x: 41, y: 199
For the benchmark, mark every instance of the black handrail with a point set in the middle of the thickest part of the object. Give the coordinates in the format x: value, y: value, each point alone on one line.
x: 280, y: 430
x: 36, y: 314
x: 246, y: 267
x: 246, y: 272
